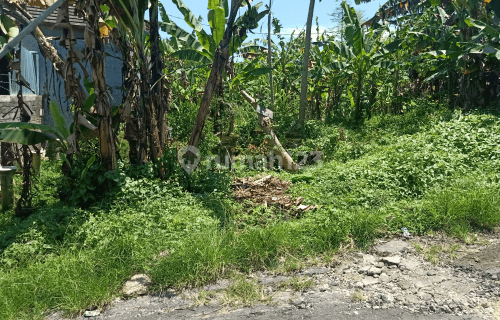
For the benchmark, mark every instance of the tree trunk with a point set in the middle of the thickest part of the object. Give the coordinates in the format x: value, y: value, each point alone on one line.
x: 220, y: 59
x: 93, y: 42
x: 358, y: 112
x: 265, y: 124
x: 305, y: 65
x: 130, y: 104
x: 269, y: 53
x: 158, y: 114
x: 373, y: 96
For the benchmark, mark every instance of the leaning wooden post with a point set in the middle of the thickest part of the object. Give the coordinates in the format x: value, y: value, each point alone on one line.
x: 265, y: 124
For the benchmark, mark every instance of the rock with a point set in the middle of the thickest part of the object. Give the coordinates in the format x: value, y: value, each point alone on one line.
x: 313, y: 271
x: 301, y: 304
x: 272, y: 280
x: 369, y: 281
x: 219, y: 285
x: 425, y: 296
x: 431, y: 273
x: 421, y: 283
x: 384, y: 278
x: 368, y: 258
x: 405, y: 285
x: 492, y: 273
x: 446, y: 309
x: 324, y: 287
x: 392, y: 260
x: 387, y: 298
x: 364, y: 269
x: 137, y: 285
x: 410, y: 265
x: 373, y: 271
x: 392, y: 247
x: 358, y: 285
x: 412, y: 299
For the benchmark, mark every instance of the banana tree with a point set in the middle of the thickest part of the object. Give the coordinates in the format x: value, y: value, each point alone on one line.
x: 455, y: 48
x: 201, y: 46
x: 144, y: 110
x: 8, y: 30
x: 227, y: 34
x: 360, y: 52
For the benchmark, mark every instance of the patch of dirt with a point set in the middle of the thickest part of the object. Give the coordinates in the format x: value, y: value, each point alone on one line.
x: 486, y: 260
x: 496, y: 313
x: 267, y: 191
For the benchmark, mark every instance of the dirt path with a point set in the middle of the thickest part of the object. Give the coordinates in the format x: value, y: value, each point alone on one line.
x: 420, y: 278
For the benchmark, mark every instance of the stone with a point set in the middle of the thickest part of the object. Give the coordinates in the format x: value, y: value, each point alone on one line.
x: 272, y: 280
x: 369, y: 281
x: 493, y: 272
x: 301, y: 304
x: 384, y: 278
x: 387, y: 298
x: 446, y: 309
x: 409, y: 265
x: 412, y: 299
x: 405, y: 285
x: 425, y: 296
x: 421, y: 283
x: 391, y: 260
x: 324, y: 287
x: 219, y: 285
x: 392, y: 247
x: 364, y: 269
x: 137, y: 285
x: 358, y: 285
x: 368, y: 258
x: 431, y: 273
x: 373, y: 271
x: 313, y: 271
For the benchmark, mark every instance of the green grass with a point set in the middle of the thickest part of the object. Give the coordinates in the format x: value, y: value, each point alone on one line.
x: 426, y: 172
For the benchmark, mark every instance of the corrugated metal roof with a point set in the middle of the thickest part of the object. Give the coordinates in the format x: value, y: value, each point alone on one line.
x: 51, y: 20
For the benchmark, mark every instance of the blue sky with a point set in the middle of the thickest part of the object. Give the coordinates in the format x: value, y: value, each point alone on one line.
x: 291, y: 13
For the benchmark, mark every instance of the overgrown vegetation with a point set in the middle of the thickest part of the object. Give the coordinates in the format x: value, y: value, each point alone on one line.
x: 405, y: 142
x: 424, y: 181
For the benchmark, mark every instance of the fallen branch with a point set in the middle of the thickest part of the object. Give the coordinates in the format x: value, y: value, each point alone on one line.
x: 265, y: 124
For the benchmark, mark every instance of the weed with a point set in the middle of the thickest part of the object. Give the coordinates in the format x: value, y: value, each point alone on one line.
x: 297, y: 284
x: 357, y: 296
x: 243, y: 292
x: 204, y: 296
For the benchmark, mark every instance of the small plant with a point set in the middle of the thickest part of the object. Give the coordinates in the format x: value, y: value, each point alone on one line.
x: 204, y: 296
x: 357, y: 296
x: 297, y: 284
x: 243, y: 292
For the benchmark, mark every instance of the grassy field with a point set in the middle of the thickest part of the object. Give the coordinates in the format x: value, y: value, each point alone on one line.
x: 429, y: 170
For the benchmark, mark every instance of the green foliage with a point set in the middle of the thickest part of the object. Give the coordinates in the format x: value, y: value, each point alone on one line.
x: 428, y: 170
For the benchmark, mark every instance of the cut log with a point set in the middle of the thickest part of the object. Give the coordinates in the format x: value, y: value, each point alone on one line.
x: 265, y: 124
